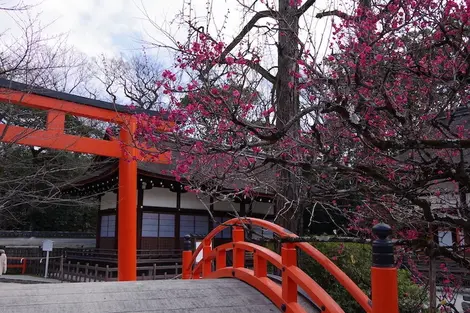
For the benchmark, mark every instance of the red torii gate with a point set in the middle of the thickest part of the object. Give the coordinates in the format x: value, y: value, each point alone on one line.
x: 57, y: 105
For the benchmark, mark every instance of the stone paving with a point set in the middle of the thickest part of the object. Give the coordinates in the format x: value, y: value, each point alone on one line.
x: 159, y: 296
x: 462, y: 302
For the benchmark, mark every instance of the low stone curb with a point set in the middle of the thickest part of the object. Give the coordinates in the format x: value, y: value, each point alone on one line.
x: 23, y: 281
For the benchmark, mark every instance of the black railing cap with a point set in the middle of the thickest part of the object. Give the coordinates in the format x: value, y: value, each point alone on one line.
x: 382, y: 231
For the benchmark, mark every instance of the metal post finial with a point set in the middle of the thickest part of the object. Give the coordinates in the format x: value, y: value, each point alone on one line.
x: 187, y: 246
x: 382, y: 230
x: 382, y: 248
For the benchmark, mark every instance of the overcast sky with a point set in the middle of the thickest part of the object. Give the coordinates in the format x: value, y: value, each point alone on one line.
x: 97, y: 26
x: 114, y: 26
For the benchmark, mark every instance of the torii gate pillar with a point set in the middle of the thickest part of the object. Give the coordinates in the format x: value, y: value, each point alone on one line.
x: 127, y: 204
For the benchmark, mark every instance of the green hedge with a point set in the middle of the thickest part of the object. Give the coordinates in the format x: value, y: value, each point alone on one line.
x: 356, y: 260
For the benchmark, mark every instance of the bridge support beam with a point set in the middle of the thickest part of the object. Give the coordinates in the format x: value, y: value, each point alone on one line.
x: 384, y: 273
x: 238, y: 235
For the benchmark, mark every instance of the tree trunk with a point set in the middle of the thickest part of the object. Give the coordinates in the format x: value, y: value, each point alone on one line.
x: 432, y: 270
x: 432, y: 284
x: 287, y: 106
x: 287, y: 98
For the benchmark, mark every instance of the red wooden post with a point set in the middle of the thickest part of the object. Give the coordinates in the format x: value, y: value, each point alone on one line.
x: 384, y: 273
x: 260, y: 266
x: 289, y: 258
x: 221, y: 259
x: 127, y: 205
x: 187, y: 256
x: 238, y: 235
x: 23, y: 268
x: 207, y: 264
x: 197, y: 273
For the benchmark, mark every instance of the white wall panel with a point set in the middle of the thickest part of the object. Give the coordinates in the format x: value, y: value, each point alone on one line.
x: 160, y: 197
x: 226, y: 206
x: 108, y: 201
x: 262, y: 207
x: 190, y: 200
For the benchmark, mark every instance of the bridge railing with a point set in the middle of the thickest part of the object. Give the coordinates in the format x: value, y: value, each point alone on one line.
x: 384, y: 280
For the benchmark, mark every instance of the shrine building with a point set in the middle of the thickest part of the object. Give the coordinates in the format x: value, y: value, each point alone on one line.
x: 166, y: 212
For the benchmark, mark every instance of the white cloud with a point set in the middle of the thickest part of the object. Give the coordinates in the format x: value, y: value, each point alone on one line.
x: 112, y: 26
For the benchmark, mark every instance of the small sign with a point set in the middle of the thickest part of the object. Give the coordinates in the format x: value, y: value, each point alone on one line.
x: 199, y: 256
x: 47, y: 245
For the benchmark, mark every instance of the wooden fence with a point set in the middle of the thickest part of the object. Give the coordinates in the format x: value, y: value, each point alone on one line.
x: 84, y: 265
x: 32, y: 252
x: 112, y: 253
x: 104, y: 257
x: 76, y: 272
x: 29, y: 265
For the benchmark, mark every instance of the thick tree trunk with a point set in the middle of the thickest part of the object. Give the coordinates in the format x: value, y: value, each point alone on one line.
x: 287, y: 98
x: 287, y: 105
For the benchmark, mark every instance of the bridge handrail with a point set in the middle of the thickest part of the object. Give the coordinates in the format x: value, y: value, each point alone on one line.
x: 325, y: 262
x: 314, y: 291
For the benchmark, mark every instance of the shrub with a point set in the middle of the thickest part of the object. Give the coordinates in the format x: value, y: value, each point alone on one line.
x: 356, y: 260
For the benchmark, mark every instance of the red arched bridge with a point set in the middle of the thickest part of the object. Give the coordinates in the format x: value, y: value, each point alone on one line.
x: 211, y: 285
x: 285, y: 295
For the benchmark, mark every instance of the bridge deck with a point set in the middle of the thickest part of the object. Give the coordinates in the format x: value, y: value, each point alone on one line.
x: 176, y: 296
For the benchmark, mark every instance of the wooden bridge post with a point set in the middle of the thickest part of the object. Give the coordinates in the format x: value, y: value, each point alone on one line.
x: 260, y: 265
x: 289, y: 258
x: 238, y: 235
x: 384, y: 272
x: 206, y: 251
x: 187, y: 256
x: 221, y: 259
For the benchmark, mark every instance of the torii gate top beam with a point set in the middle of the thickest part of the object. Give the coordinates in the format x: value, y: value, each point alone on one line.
x: 57, y: 105
x: 46, y: 99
